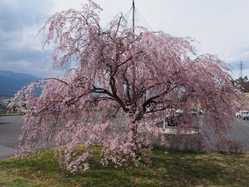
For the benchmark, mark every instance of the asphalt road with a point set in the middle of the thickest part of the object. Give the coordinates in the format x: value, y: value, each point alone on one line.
x: 240, y: 132
x: 10, y: 128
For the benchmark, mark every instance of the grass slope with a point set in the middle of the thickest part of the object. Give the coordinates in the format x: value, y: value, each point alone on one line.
x: 167, y: 169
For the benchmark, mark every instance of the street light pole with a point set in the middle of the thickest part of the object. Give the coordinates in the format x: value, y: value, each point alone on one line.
x: 133, y: 16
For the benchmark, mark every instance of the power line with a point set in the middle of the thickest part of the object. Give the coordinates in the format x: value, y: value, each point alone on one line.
x: 142, y: 20
x: 135, y: 18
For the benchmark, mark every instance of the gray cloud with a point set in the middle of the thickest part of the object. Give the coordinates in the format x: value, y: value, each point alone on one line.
x: 20, y: 51
x: 22, y: 54
x: 219, y: 27
x: 16, y: 14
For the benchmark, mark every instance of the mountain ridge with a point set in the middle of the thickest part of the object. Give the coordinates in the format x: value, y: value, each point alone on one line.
x: 11, y: 82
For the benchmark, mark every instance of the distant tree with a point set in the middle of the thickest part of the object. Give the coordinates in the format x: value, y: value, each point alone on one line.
x: 3, y: 105
x: 117, y: 74
x: 2, y: 108
x: 242, y: 84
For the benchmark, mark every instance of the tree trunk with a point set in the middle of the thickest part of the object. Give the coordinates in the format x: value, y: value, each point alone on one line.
x: 133, y: 127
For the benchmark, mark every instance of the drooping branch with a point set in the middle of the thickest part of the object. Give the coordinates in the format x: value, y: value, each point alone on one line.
x: 142, y: 75
x: 112, y: 96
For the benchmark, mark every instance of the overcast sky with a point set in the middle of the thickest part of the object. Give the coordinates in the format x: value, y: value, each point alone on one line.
x: 218, y: 26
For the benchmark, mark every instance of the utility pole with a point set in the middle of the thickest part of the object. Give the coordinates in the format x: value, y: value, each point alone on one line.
x: 133, y: 16
x: 241, y: 69
x: 133, y: 63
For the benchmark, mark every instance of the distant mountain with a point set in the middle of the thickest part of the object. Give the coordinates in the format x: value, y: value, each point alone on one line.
x: 11, y: 82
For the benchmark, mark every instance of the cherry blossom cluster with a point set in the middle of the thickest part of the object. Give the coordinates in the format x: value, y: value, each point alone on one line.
x: 118, y: 87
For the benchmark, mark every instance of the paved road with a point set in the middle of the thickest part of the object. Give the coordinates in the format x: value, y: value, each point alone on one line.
x: 10, y: 130
x: 240, y: 132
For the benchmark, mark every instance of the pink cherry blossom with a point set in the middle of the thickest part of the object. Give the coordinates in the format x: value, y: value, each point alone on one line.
x: 121, y: 86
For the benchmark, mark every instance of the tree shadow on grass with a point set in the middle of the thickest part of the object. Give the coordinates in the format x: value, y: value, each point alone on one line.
x: 186, y: 168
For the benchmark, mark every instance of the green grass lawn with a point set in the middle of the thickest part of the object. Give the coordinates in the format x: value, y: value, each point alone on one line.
x: 10, y: 114
x: 167, y: 169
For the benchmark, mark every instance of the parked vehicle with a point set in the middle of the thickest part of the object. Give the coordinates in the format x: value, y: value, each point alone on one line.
x: 242, y: 115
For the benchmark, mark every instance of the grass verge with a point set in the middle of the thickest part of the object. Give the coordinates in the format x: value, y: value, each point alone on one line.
x: 167, y: 169
x: 9, y: 114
